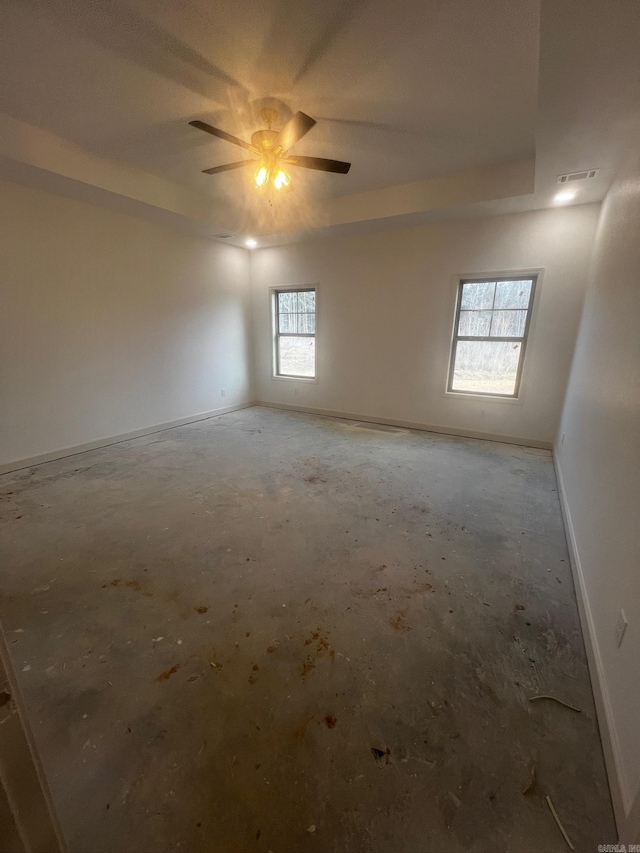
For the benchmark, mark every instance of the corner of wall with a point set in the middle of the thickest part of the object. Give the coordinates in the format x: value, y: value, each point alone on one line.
x: 253, y: 350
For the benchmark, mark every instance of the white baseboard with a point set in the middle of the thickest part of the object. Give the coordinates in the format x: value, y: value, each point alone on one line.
x: 60, y: 453
x: 17, y: 464
x: 626, y: 812
x: 464, y: 433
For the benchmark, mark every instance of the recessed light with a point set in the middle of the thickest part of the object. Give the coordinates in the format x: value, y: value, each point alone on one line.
x: 251, y: 243
x: 563, y: 197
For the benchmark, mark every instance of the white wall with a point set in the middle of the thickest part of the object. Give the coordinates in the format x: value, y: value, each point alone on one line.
x: 385, y: 315
x: 599, y: 465
x: 110, y: 324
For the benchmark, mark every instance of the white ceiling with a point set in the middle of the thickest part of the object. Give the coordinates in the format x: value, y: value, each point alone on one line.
x: 414, y: 92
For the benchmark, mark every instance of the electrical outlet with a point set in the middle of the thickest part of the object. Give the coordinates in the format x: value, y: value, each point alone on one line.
x: 562, y: 439
x: 295, y: 391
x: 621, y: 627
x: 223, y: 392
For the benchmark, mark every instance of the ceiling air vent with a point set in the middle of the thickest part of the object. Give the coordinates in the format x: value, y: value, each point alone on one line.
x: 577, y: 176
x: 223, y: 236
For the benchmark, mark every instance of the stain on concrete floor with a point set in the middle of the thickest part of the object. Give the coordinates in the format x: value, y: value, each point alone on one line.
x: 233, y: 631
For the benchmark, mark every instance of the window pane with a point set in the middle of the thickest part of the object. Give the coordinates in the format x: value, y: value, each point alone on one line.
x: 508, y: 324
x: 513, y: 294
x: 489, y: 367
x: 474, y: 323
x: 287, y: 322
x: 307, y: 301
x: 477, y: 295
x: 307, y: 324
x: 287, y: 302
x: 297, y: 356
x: 297, y: 324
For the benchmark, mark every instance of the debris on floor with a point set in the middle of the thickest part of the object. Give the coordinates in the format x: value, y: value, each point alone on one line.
x: 555, y: 699
x: 557, y: 820
x: 531, y: 784
x: 382, y: 756
x: 165, y: 676
x: 399, y: 623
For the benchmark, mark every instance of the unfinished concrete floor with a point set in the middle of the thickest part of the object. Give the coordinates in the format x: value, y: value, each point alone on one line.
x: 278, y: 632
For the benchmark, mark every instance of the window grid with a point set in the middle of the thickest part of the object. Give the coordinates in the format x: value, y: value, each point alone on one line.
x: 278, y: 314
x: 517, y: 339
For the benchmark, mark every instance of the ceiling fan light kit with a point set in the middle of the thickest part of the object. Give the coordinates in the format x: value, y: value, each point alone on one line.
x: 272, y: 149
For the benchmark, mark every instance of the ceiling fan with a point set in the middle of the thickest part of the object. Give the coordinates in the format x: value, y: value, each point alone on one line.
x: 272, y: 149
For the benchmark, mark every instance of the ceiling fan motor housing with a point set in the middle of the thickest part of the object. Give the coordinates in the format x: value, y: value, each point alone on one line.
x: 269, y: 116
x: 264, y: 139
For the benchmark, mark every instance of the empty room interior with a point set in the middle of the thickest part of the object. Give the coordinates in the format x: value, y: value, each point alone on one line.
x: 319, y: 426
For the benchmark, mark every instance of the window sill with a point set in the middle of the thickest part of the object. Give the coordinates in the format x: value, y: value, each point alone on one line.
x: 309, y: 380
x: 469, y: 395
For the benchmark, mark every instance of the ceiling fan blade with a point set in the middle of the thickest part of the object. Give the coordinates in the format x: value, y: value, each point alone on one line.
x: 226, y: 168
x: 222, y: 134
x: 320, y: 164
x: 294, y: 130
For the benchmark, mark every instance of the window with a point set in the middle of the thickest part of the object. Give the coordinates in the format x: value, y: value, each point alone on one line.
x: 490, y: 335
x: 295, y: 333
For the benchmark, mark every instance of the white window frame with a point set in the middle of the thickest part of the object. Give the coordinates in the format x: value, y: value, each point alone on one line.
x: 535, y: 276
x: 276, y: 334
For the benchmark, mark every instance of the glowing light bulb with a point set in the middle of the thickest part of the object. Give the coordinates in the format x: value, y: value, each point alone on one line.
x: 251, y: 243
x: 261, y: 176
x: 281, y: 180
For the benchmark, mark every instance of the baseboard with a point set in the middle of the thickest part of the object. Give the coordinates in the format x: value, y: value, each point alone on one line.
x: 464, y: 433
x: 624, y: 809
x: 61, y: 453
